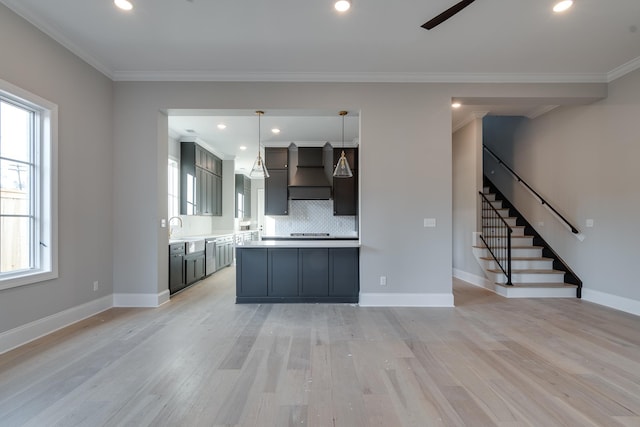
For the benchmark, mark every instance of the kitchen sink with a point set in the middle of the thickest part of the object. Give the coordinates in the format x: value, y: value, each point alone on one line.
x: 193, y: 244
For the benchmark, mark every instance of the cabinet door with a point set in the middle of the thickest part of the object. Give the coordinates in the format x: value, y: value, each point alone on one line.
x: 191, y: 270
x: 276, y: 158
x: 345, y: 195
x: 283, y: 272
x: 314, y: 272
x: 344, y: 276
x: 176, y: 273
x: 275, y: 193
x: 251, y: 274
x: 217, y: 196
x: 201, y: 182
x: 200, y: 267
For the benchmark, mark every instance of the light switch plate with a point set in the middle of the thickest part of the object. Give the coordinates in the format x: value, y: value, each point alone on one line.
x: 429, y: 222
x: 589, y: 223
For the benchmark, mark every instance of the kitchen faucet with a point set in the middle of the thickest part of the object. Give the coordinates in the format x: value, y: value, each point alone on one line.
x: 171, y: 229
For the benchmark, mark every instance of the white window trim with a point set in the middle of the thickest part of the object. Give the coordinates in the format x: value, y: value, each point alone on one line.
x: 48, y: 176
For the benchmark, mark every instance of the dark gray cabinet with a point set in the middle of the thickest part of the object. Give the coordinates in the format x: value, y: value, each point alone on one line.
x: 283, y: 272
x: 224, y: 251
x: 200, y: 181
x: 276, y: 193
x: 314, y: 272
x: 276, y: 158
x: 297, y: 275
x: 194, y: 267
x: 344, y: 272
x: 251, y: 273
x: 345, y: 190
x: 276, y: 201
x: 176, y: 267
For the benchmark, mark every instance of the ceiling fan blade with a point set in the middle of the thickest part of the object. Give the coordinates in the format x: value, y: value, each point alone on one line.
x: 446, y: 14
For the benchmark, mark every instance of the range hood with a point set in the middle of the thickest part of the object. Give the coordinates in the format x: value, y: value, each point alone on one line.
x: 310, y: 181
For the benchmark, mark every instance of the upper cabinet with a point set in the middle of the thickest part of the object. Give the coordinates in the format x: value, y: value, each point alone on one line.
x: 345, y: 190
x: 276, y: 158
x: 243, y: 196
x: 200, y: 181
x: 276, y: 200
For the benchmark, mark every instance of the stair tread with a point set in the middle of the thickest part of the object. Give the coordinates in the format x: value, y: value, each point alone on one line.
x: 539, y: 285
x: 529, y: 271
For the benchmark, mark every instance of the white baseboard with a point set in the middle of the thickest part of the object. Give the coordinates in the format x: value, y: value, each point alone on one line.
x: 405, y: 300
x: 31, y: 331
x: 141, y: 300
x: 475, y: 280
x: 627, y: 305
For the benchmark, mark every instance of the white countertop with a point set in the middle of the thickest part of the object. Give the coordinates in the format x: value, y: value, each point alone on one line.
x: 300, y: 244
x: 213, y: 235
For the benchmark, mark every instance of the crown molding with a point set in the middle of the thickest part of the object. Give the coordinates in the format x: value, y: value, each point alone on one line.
x: 468, y: 119
x: 357, y: 77
x: 624, y: 69
x: 540, y: 111
x: 19, y: 8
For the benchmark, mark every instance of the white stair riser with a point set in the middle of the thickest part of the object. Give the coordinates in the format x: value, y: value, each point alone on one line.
x: 515, y: 241
x: 521, y: 265
x: 497, y: 204
x: 515, y: 252
x: 490, y: 196
x: 528, y: 278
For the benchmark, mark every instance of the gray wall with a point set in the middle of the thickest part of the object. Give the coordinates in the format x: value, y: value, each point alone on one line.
x: 34, y: 62
x: 113, y: 148
x: 413, y: 258
x: 584, y: 160
x: 467, y: 182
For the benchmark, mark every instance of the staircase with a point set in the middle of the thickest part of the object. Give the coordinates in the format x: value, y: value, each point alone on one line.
x: 535, y: 271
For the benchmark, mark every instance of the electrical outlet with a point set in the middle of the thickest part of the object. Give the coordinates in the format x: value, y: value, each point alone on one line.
x: 383, y: 280
x: 95, y: 285
x: 589, y: 223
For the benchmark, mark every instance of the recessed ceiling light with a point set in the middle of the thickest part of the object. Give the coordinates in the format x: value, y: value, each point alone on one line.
x: 242, y: 147
x: 222, y: 126
x: 342, y: 5
x: 123, y: 4
x: 456, y: 104
x: 275, y: 130
x: 563, y: 5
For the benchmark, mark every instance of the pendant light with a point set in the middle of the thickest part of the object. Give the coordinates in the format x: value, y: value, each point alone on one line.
x: 259, y: 170
x: 342, y: 168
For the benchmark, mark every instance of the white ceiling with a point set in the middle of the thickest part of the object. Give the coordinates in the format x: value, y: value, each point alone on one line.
x: 303, y: 127
x: 377, y: 40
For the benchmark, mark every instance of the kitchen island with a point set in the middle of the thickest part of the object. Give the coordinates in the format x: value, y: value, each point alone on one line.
x: 298, y: 271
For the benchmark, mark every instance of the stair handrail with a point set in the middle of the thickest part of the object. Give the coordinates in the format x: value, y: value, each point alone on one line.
x: 505, y: 269
x: 544, y: 203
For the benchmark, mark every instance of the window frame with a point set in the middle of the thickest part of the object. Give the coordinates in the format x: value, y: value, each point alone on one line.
x: 44, y: 241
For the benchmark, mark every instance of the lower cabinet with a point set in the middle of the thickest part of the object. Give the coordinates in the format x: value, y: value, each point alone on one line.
x: 314, y: 272
x: 251, y: 273
x: 194, y: 267
x: 176, y: 268
x: 283, y: 272
x: 297, y: 275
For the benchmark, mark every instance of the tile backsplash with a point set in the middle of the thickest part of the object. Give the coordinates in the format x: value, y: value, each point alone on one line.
x: 313, y: 216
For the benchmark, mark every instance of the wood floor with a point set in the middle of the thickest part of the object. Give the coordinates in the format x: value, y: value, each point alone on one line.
x: 201, y: 360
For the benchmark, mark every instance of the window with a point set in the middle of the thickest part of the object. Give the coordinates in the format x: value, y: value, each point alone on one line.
x: 28, y: 221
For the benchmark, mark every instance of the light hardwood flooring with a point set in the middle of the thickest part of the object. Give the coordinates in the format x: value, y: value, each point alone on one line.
x: 201, y: 360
